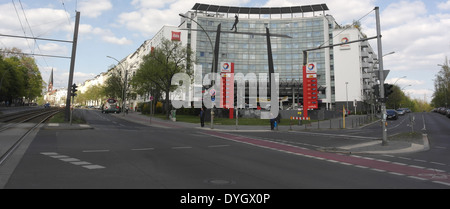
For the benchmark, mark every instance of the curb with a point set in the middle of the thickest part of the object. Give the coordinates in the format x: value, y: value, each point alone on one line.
x: 414, y: 147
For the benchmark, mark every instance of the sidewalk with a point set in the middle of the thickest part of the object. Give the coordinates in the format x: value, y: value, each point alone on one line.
x: 395, y: 145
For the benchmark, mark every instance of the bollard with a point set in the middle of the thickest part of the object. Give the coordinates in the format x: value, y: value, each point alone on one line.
x: 290, y: 125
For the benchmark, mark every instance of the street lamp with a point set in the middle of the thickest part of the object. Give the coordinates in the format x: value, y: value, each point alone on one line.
x: 399, y: 79
x: 212, y: 68
x: 373, y: 65
x: 404, y: 87
x: 346, y: 95
x: 124, y: 86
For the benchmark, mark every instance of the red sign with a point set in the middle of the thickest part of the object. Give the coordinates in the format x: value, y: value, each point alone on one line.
x: 310, y: 88
x: 227, y: 74
x: 176, y: 36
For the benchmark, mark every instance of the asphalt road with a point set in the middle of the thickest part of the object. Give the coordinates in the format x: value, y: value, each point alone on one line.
x: 122, y: 154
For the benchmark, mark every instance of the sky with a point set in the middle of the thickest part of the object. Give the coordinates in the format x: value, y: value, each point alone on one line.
x: 418, y: 31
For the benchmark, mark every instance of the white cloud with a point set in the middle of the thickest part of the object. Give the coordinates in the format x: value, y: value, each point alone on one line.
x: 88, y: 32
x: 404, y: 81
x: 419, y: 93
x: 444, y: 5
x: 53, y: 48
x: 343, y: 11
x: 149, y: 16
x: 115, y: 40
x: 95, y: 8
x: 398, y: 13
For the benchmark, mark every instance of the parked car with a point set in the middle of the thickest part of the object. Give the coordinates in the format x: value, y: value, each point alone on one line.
x: 391, y: 114
x: 400, y: 111
x: 407, y: 110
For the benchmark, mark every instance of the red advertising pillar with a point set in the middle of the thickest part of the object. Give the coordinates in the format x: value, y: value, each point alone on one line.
x: 310, y: 90
x: 227, y: 74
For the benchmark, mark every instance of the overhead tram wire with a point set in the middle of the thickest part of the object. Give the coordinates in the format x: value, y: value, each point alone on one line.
x: 21, y: 25
x: 31, y: 31
x: 348, y: 28
x: 67, y: 13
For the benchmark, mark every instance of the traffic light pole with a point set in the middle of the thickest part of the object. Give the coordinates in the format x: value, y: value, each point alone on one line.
x: 381, y: 73
x: 72, y: 66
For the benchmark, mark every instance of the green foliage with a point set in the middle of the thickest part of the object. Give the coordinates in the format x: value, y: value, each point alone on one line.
x: 114, y: 85
x: 398, y: 99
x: 94, y: 93
x: 441, y: 95
x: 155, y: 73
x: 19, y: 77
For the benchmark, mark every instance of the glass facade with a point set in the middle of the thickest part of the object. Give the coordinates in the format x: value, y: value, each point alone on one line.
x: 249, y: 51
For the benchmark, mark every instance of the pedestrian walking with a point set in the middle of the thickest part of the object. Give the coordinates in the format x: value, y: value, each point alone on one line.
x: 202, y: 117
x: 272, y: 121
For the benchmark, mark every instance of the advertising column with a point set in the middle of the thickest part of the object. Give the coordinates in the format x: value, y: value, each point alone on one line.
x: 310, y: 88
x: 227, y: 74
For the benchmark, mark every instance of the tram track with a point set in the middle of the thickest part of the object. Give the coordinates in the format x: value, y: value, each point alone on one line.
x: 18, y: 127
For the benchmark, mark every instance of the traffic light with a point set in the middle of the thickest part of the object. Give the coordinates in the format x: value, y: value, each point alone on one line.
x: 388, y: 90
x: 73, y: 90
x: 376, y: 90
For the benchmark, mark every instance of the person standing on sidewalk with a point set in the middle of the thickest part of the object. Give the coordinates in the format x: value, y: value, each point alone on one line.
x: 202, y: 117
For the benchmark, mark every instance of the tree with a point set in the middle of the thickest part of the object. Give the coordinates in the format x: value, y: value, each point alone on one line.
x: 20, y: 77
x: 160, y: 66
x: 397, y: 99
x: 441, y: 95
x: 94, y: 93
x: 114, y: 84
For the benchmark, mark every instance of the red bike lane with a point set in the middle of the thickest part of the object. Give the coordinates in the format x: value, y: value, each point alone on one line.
x: 394, y: 168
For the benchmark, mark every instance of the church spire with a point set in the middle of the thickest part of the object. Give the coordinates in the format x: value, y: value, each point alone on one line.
x: 50, y: 82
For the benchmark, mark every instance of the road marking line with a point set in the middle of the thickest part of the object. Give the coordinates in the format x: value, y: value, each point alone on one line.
x: 376, y: 169
x: 69, y: 159
x: 415, y: 177
x: 416, y: 166
x: 181, y: 147
x: 398, y: 174
x: 438, y: 163
x: 59, y: 156
x: 142, y: 149
x: 93, y: 166
x: 214, y: 146
x: 397, y: 163
x: 81, y: 163
x: 440, y: 182
x: 99, y: 150
x: 49, y: 153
